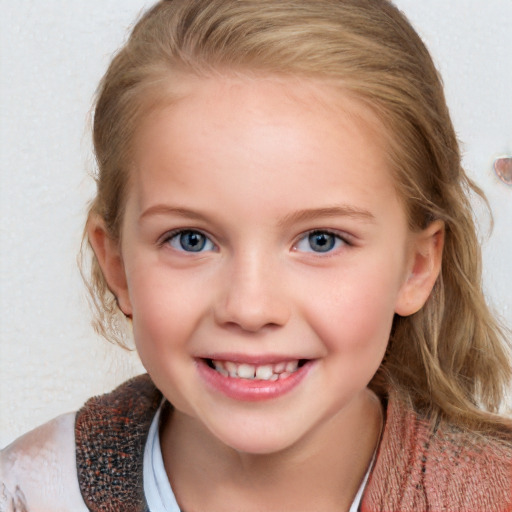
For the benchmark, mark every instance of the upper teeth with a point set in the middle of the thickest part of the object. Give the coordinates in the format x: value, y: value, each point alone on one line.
x: 270, y: 372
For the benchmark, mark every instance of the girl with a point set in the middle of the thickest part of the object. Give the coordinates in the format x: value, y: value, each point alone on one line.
x: 282, y: 217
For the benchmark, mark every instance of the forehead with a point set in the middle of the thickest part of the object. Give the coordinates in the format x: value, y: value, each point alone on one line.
x: 258, y: 138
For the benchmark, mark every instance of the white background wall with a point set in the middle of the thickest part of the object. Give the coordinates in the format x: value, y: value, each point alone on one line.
x: 53, y: 54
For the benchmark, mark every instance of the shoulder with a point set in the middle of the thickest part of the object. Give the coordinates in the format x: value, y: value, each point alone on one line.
x: 38, y: 470
x: 89, y: 460
x: 111, y: 432
x: 419, y: 467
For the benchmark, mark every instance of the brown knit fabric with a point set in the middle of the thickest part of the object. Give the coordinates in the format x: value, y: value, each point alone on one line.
x: 111, y: 432
x: 418, y: 468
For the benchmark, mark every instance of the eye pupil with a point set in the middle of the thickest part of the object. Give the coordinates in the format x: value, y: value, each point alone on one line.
x: 321, y: 241
x: 192, y: 241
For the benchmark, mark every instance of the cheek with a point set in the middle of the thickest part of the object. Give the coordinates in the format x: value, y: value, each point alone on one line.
x: 355, y: 333
x: 166, y: 311
x: 356, y: 313
x: 165, y: 316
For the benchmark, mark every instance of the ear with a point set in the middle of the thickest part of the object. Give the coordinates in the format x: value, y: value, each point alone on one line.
x: 108, y: 254
x: 424, y: 266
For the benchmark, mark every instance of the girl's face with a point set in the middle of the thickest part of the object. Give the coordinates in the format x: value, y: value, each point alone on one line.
x: 264, y: 254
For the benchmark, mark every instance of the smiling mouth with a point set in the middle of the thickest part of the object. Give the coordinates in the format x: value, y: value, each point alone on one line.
x: 264, y: 372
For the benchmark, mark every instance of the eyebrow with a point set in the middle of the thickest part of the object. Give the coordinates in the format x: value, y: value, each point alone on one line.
x: 163, y: 209
x: 294, y: 217
x: 328, y: 212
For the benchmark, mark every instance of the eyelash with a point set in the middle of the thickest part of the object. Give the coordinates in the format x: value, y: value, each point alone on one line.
x: 337, y: 239
x: 331, y: 239
x: 168, y: 238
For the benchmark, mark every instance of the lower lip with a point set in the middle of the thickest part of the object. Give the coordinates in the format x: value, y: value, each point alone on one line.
x: 251, y: 390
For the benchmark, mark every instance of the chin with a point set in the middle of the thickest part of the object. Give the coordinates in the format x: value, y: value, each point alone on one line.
x: 257, y: 441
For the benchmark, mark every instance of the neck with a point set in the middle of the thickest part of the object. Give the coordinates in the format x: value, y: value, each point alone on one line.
x: 323, y: 471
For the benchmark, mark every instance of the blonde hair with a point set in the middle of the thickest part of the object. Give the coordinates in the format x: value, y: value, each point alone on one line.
x: 450, y: 359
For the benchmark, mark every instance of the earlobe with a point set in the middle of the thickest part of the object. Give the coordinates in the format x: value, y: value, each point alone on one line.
x: 423, y: 269
x: 108, y: 254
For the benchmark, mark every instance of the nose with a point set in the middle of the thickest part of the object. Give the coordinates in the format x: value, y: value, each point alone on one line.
x: 253, y: 296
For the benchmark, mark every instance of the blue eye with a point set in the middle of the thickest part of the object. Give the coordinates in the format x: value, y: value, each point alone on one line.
x: 190, y: 241
x: 319, y: 241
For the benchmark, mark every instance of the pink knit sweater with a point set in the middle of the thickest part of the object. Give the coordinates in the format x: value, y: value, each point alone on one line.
x: 419, y: 468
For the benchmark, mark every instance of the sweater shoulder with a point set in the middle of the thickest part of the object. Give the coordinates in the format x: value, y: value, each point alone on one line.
x: 38, y: 470
x: 476, y: 469
x: 422, y: 467
x: 111, y: 432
